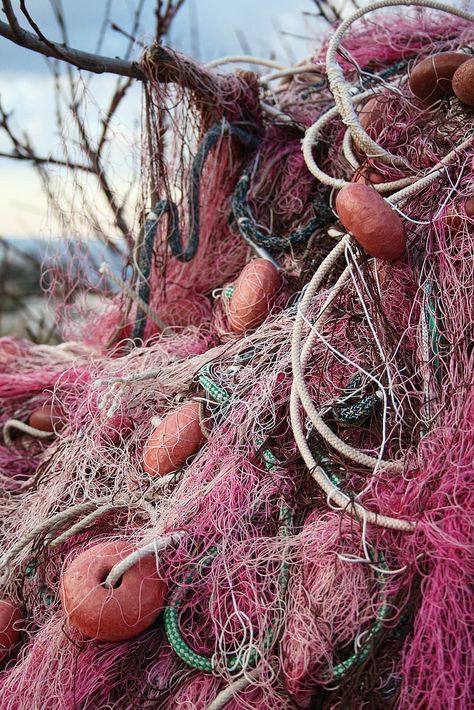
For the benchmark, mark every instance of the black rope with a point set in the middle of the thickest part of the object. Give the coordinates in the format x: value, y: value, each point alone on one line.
x: 250, y: 231
x: 144, y: 263
x: 208, y: 142
x: 169, y: 207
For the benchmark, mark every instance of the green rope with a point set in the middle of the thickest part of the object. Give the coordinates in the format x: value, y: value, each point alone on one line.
x: 431, y: 321
x: 171, y: 613
x: 228, y: 292
x: 363, y: 652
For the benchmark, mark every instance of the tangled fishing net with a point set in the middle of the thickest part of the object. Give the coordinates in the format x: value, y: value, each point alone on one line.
x: 247, y: 483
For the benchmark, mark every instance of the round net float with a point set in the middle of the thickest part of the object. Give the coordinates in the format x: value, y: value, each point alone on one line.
x: 10, y: 616
x: 253, y: 296
x: 374, y: 224
x: 458, y: 212
x: 176, y: 438
x: 371, y: 117
x: 47, y: 418
x: 432, y: 78
x: 115, y: 429
x: 366, y: 175
x: 463, y: 83
x: 111, y: 614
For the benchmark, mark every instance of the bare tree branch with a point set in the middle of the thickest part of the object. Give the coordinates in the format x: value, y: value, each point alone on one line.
x: 82, y: 60
x: 37, y: 160
x: 117, y: 97
x: 34, y: 26
x: 12, y: 21
x: 169, y: 66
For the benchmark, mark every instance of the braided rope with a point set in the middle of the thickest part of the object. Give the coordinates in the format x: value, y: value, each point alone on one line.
x: 152, y: 548
x: 349, y: 154
x: 26, y: 428
x: 435, y: 172
x: 341, y: 89
x: 80, y: 525
x: 343, y: 501
x: 312, y: 136
x: 88, y: 519
x: 171, y: 613
x: 53, y: 522
x: 299, y: 359
x: 186, y: 253
x: 250, y: 231
x: 222, y: 396
x: 231, y: 691
x: 144, y: 268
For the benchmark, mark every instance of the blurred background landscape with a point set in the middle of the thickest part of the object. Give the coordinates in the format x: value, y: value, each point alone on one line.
x: 56, y: 213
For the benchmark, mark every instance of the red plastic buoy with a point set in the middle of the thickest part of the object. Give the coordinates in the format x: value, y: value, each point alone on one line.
x: 47, y: 418
x: 375, y: 225
x: 253, y: 295
x: 111, y: 614
x: 432, y: 78
x: 456, y: 213
x: 368, y: 176
x: 463, y: 82
x: 371, y: 117
x: 10, y: 616
x: 176, y: 438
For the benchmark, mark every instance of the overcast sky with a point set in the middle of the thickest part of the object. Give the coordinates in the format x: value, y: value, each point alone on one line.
x: 204, y: 28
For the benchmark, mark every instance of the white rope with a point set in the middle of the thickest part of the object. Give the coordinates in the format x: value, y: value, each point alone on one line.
x: 152, y: 548
x: 433, y: 175
x: 53, y: 522
x: 341, y: 89
x: 299, y: 360
x: 231, y: 691
x: 313, y: 134
x: 293, y: 71
x: 298, y: 363
x: 349, y: 154
x: 245, y: 59
x: 276, y: 112
x: 26, y: 428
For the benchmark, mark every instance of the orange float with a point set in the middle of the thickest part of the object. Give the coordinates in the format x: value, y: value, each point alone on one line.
x: 456, y: 213
x: 432, y: 78
x: 463, y: 83
x: 177, y: 437
x: 371, y: 117
x: 114, y: 614
x: 10, y: 616
x: 47, y: 418
x: 253, y: 295
x: 374, y: 224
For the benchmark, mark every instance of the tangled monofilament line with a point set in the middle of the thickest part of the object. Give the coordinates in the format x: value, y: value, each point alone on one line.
x: 316, y: 546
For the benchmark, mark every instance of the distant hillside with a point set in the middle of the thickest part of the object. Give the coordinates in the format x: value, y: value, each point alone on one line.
x: 25, y: 268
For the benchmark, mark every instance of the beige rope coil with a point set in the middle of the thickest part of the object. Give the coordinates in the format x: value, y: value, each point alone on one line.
x: 299, y: 390
x: 313, y: 134
x: 152, y: 548
x: 345, y: 100
x: 229, y: 693
x: 341, y: 89
x: 25, y: 428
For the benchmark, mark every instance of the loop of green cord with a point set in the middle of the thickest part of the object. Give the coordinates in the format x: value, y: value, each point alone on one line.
x: 171, y: 613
